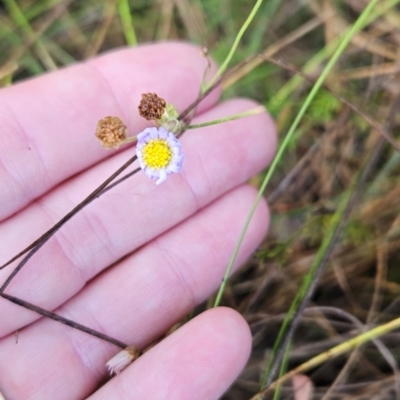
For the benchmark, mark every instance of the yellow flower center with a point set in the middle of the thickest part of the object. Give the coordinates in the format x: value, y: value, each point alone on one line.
x: 157, y: 153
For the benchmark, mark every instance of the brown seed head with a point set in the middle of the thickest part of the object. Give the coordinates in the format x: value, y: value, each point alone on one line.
x: 151, y: 106
x: 120, y: 361
x: 111, y: 131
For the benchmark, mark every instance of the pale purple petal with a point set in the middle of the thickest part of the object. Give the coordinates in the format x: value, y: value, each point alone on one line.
x: 142, y: 135
x: 153, y: 133
x: 162, y: 133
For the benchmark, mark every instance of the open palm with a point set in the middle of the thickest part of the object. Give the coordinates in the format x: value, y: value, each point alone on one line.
x: 168, y: 245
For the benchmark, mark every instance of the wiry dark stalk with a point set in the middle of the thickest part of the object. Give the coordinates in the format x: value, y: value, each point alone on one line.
x: 35, y: 247
x: 46, y: 236
x: 63, y: 320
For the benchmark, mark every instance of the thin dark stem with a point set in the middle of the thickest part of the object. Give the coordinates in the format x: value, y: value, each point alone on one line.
x: 63, y: 320
x: 117, y: 182
x: 47, y: 235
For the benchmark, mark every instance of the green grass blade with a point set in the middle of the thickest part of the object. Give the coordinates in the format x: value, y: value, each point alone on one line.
x: 19, y: 18
x: 127, y: 23
x: 241, y: 32
x: 282, y: 371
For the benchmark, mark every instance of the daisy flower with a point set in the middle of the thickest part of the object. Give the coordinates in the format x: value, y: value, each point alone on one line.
x: 159, y: 153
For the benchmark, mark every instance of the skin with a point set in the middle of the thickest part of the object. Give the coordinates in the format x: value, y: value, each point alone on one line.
x: 176, y: 239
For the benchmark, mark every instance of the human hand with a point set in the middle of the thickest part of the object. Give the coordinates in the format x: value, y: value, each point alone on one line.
x: 177, y: 237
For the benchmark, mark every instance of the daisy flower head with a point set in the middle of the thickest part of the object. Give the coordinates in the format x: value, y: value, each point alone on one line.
x: 159, y: 153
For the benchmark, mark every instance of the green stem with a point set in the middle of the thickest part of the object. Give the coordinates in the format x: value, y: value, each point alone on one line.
x: 241, y: 32
x: 248, y: 113
x: 127, y: 23
x: 282, y: 371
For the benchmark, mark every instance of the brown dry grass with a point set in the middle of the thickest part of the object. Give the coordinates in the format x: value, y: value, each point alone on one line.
x: 361, y: 284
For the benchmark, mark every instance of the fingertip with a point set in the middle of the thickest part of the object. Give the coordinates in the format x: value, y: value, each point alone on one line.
x: 199, y: 360
x: 232, y: 334
x: 302, y: 387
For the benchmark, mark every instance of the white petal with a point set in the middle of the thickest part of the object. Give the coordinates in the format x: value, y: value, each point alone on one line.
x: 150, y: 172
x: 178, y: 158
x: 173, y: 141
x: 156, y: 174
x: 162, y: 178
x: 142, y: 165
x: 175, y: 168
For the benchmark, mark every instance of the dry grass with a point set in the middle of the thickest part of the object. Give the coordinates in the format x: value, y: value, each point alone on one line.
x: 361, y: 284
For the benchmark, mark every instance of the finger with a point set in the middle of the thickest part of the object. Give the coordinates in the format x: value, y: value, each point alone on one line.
x: 217, y: 159
x: 135, y: 301
x: 302, y: 387
x: 48, y: 123
x: 199, y: 361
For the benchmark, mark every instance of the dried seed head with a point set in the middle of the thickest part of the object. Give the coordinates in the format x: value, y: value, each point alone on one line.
x: 151, y: 106
x: 120, y: 361
x: 111, y: 132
